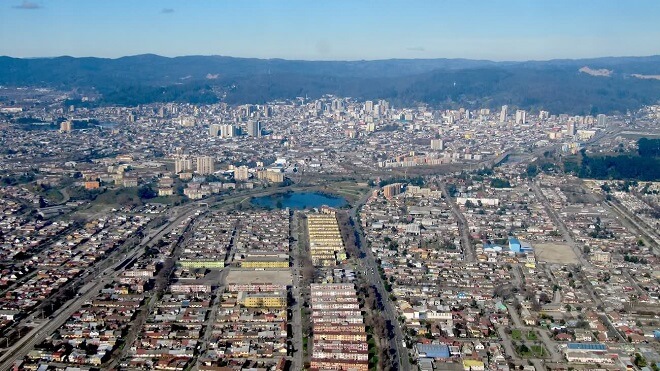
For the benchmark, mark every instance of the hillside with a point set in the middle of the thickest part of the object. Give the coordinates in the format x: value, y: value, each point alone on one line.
x: 556, y: 85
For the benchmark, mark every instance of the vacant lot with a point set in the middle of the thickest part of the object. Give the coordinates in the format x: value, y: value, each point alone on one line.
x: 555, y: 253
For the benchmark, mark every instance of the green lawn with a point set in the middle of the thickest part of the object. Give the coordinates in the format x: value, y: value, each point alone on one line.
x: 516, y: 334
x: 54, y: 196
x: 533, y: 351
x: 531, y: 335
x: 539, y: 351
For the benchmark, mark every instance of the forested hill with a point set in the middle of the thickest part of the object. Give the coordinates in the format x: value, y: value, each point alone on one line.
x: 602, y: 85
x: 643, y: 165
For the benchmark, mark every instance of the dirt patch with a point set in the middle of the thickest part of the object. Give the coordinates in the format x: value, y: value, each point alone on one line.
x: 555, y: 253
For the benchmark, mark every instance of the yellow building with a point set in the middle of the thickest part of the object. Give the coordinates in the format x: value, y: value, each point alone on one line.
x: 472, y: 365
x: 210, y: 264
x: 325, y: 242
x: 263, y: 300
x: 265, y: 264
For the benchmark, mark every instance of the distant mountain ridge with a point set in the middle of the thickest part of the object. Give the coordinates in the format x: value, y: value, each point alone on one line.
x: 556, y: 85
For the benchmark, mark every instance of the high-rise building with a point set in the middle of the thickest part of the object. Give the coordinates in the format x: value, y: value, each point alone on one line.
x: 268, y: 111
x: 337, y: 105
x: 544, y: 115
x: 247, y: 110
x: 66, y: 126
x: 602, y: 120
x: 241, y: 173
x: 571, y: 128
x: 384, y: 106
x: 227, y: 131
x: 182, y: 165
x: 205, y: 165
x: 392, y: 190
x: 369, y: 106
x: 254, y: 128
x: 214, y: 130
x: 521, y: 117
x: 504, y: 113
x: 437, y: 144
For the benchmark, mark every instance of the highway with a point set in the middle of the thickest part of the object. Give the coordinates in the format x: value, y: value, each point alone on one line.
x: 643, y: 228
x: 23, y: 346
x: 370, y: 270
x: 161, y: 282
x: 296, y: 316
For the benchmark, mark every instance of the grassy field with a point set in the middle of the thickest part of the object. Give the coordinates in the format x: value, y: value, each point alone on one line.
x: 351, y: 191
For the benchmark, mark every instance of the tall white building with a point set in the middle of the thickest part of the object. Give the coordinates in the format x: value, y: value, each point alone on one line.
x: 227, y: 131
x: 254, y: 128
x: 437, y: 144
x: 384, y: 106
x: 205, y: 165
x: 571, y: 128
x: 241, y: 173
x: 369, y: 106
x: 504, y: 113
x: 182, y: 165
x: 521, y: 117
x: 214, y: 130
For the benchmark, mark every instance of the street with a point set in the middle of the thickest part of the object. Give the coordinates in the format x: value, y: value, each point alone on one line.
x: 370, y: 270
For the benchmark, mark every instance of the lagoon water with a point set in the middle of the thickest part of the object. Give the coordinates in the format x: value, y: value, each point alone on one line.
x: 299, y: 200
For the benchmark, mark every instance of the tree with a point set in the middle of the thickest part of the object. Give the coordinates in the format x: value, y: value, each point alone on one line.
x: 42, y: 202
x: 648, y: 147
x: 146, y: 192
x: 640, y: 361
x: 500, y: 183
x: 532, y: 170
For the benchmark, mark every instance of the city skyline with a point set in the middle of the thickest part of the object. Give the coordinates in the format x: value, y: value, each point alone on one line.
x: 510, y: 30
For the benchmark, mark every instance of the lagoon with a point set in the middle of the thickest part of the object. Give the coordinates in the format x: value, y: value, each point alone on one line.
x: 298, y: 200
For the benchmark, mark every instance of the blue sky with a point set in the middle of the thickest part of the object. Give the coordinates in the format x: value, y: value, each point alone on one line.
x: 333, y: 29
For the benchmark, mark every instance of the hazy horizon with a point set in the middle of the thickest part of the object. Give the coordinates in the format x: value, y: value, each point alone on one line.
x: 512, y: 30
x: 332, y: 60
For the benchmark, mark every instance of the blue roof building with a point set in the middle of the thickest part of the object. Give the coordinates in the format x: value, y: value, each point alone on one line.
x: 514, y: 245
x: 519, y: 247
x: 432, y: 350
x: 588, y: 347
